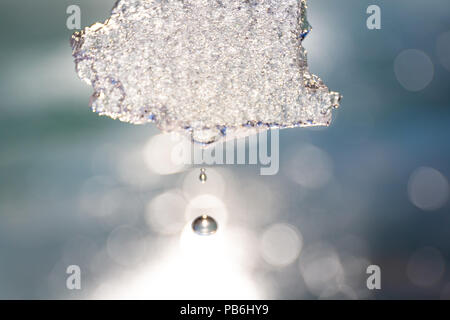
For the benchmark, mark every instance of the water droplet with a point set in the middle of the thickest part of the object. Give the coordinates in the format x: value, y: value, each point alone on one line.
x: 203, y: 176
x: 204, y: 225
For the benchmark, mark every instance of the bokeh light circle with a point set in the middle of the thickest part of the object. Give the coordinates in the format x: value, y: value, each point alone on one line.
x: 165, y: 213
x: 321, y: 268
x: 167, y: 153
x: 428, y: 189
x: 310, y: 167
x: 207, y: 204
x: 281, y: 244
x: 413, y: 69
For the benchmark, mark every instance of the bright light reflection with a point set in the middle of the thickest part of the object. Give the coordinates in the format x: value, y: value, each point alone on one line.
x: 166, y: 154
x: 198, y: 267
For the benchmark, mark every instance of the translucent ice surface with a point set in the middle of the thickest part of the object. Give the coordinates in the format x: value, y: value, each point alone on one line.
x: 207, y: 68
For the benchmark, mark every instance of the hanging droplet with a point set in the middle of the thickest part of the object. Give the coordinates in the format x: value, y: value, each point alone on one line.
x: 203, y: 176
x: 204, y: 225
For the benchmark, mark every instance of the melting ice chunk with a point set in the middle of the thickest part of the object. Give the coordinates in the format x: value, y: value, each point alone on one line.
x: 210, y: 69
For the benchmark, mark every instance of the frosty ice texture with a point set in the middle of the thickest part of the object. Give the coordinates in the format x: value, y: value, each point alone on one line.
x: 208, y: 68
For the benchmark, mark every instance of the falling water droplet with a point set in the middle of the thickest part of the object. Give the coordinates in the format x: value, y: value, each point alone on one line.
x: 204, y: 225
x: 203, y: 176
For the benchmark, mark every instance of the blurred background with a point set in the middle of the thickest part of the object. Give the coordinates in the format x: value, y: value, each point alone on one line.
x: 78, y: 189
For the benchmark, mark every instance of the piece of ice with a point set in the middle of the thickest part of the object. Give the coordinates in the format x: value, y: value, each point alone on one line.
x: 208, y: 68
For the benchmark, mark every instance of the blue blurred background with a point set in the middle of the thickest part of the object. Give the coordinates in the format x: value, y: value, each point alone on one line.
x: 78, y: 189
